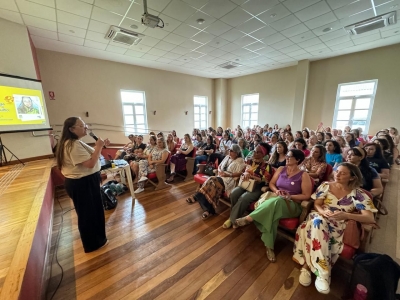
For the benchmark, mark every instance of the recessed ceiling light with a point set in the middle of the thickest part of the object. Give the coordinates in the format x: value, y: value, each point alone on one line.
x: 302, y: 37
x: 320, y: 52
x: 72, y: 31
x: 133, y: 26
x: 396, y: 31
x: 200, y: 21
x: 273, y: 15
x: 327, y: 29
x: 237, y: 59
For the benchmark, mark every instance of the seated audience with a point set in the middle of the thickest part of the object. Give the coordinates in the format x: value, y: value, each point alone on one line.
x: 255, y: 141
x: 140, y: 154
x: 350, y: 139
x: 158, y: 156
x: 276, y: 128
x: 220, y: 131
x: 228, y: 170
x: 291, y: 186
x: 394, y: 134
x: 176, y: 139
x: 258, y: 170
x: 376, y: 159
x: 347, y: 129
x: 137, y: 149
x: 333, y: 153
x: 319, y: 239
x: 306, y: 134
x: 343, y: 146
x: 178, y: 160
x: 298, y: 134
x: 328, y: 136
x: 278, y: 157
x: 273, y: 140
x: 243, y: 147
x: 334, y: 133
x: 288, y: 128
x: 315, y: 164
x: 340, y: 132
x: 239, y: 135
x: 289, y: 140
x: 223, y: 149
x: 301, y: 144
x: 126, y: 148
x: 358, y: 138
x: 320, y: 137
x: 204, y: 152
x: 198, y: 143
x: 250, y: 154
x: 203, y: 136
x: 392, y: 148
x: 385, y: 148
x: 161, y: 135
x: 171, y: 143
x: 312, y: 141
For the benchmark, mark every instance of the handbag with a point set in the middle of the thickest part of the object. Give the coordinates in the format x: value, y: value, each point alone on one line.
x: 209, y: 169
x: 248, y: 184
x: 264, y: 197
x: 353, y: 234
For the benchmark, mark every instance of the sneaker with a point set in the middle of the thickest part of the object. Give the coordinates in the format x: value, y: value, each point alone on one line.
x: 143, y: 178
x: 322, y: 285
x: 305, y: 277
x: 139, y: 190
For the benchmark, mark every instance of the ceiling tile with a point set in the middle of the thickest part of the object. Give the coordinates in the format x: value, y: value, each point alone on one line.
x: 297, y: 53
x: 296, y: 5
x: 205, y: 49
x: 334, y: 4
x: 334, y: 26
x: 272, y: 39
x: 179, y: 10
x: 120, y: 7
x: 174, y: 39
x: 180, y: 50
x: 115, y: 49
x: 218, y: 8
x: 392, y: 32
x: 164, y: 60
x: 240, y: 52
x: 232, y: 35
x: 295, y: 30
x: 96, y: 37
x: 134, y: 53
x: 194, y: 54
x: 302, y: 37
x: 333, y: 34
x: 274, y: 14
x: 119, y: 45
x: 207, y: 57
x: 43, y: 33
x: 36, y: 10
x: 315, y: 47
x: 99, y: 27
x: 171, y: 55
x: 184, y: 58
x: 71, y: 30
x: 218, y: 42
x: 273, y: 54
x: 150, y: 57
x: 96, y: 45
x: 165, y: 46
x: 250, y: 25
x: 255, y: 46
x: 230, y: 47
x: 149, y: 41
x: 9, y: 5
x: 357, y: 18
x: 70, y: 39
x: 231, y: 57
x: 105, y: 16
x: 178, y: 63
x: 135, y: 12
x: 256, y: 7
x: 190, y: 44
x: 318, y: 52
x: 158, y: 5
x: 203, y: 37
x: 156, y: 33
x: 71, y: 19
x: 321, y: 20
x: 313, y: 11
x: 186, y: 30
x: 366, y: 39
x: 338, y: 40
x: 302, y: 56
x: 140, y: 48
x: 156, y: 52
x: 127, y: 23
x: 285, y: 23
x: 265, y: 50
x: 290, y: 49
x: 244, y: 41
x: 310, y: 42
x: 236, y: 17
x: 39, y: 23
x: 170, y: 24
x: 342, y: 46
x: 11, y: 16
x: 192, y: 20
x: 388, y: 7
x: 196, y: 3
x: 282, y: 44
x: 217, y: 61
x: 75, y: 7
x: 217, y: 52
x: 353, y: 8
x: 218, y: 28
x: 263, y: 32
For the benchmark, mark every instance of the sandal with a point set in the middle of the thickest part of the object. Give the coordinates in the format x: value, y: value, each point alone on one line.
x: 271, y: 255
x: 242, y: 222
x: 227, y: 224
x: 190, y: 200
x: 206, y: 215
x: 170, y: 179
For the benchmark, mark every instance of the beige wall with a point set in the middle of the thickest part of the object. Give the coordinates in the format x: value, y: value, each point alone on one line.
x: 84, y: 84
x: 325, y: 75
x: 276, y: 89
x: 16, y: 59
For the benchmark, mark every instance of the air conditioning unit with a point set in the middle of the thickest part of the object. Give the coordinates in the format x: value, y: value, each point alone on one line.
x: 229, y: 65
x: 372, y: 23
x: 123, y: 36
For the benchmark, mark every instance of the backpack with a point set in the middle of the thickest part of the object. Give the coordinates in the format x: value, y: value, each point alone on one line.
x: 108, y: 197
x: 209, y: 169
x: 379, y: 273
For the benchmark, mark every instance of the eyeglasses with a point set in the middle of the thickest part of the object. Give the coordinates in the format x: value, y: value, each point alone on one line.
x: 288, y: 156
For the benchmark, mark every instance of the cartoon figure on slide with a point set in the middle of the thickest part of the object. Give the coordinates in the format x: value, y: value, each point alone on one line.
x: 27, y: 106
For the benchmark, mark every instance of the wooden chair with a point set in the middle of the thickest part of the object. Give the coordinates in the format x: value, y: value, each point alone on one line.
x: 160, y: 175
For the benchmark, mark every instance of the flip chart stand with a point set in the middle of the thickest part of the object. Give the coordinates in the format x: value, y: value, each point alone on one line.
x: 3, y: 157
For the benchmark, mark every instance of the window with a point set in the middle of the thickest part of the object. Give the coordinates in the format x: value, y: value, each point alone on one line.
x: 200, y: 112
x: 134, y: 111
x: 354, y: 103
x: 250, y: 110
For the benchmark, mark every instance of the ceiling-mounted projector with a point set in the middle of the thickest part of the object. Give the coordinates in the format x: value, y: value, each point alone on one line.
x: 372, y: 23
x: 149, y: 20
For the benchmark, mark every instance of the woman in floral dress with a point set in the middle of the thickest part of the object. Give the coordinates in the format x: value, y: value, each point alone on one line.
x: 318, y: 241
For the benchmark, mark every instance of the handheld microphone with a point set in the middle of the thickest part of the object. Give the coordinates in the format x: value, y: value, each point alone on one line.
x: 94, y: 137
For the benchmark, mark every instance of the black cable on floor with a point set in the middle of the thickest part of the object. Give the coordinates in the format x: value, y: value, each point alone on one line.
x: 56, y: 247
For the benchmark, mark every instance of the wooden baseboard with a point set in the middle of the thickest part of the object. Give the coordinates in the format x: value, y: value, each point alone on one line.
x: 24, y: 160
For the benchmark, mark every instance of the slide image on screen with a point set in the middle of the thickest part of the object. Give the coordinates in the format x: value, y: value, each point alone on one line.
x: 28, y: 107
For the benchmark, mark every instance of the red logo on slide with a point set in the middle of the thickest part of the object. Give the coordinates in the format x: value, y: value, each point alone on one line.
x: 9, y: 99
x: 52, y: 95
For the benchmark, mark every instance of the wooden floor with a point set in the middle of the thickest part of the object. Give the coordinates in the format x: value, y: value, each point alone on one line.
x: 164, y: 250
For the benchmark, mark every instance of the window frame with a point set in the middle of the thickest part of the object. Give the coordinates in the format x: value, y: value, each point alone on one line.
x: 206, y: 112
x: 353, y: 104
x: 250, y: 110
x: 134, y: 130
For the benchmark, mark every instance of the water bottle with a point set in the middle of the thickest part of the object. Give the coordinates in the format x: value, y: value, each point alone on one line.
x: 360, y: 293
x: 112, y: 164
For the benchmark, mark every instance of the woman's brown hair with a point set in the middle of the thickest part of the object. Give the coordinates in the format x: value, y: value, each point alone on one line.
x: 354, y: 172
x: 66, y: 140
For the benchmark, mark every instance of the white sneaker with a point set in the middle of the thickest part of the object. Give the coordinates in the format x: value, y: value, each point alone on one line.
x: 139, y: 190
x: 143, y: 178
x: 322, y: 285
x: 305, y: 277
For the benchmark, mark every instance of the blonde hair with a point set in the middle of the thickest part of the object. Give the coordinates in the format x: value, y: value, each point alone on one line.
x: 354, y: 172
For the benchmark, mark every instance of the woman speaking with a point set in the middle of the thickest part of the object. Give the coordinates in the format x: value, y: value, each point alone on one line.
x: 80, y: 165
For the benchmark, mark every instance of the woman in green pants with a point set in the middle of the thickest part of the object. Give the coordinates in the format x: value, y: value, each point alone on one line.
x: 291, y: 186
